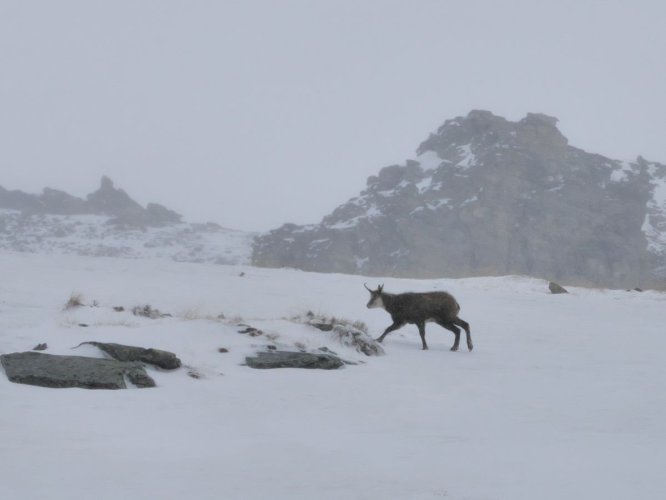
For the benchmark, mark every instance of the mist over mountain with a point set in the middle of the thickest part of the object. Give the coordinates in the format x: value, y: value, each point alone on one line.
x: 483, y: 196
x: 487, y: 196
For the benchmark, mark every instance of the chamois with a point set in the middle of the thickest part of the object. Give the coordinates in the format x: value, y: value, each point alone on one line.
x: 418, y: 309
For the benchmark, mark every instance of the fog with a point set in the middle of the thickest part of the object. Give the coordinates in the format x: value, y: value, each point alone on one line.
x: 256, y: 113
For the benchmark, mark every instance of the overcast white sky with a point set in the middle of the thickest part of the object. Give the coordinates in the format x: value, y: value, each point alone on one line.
x: 258, y: 112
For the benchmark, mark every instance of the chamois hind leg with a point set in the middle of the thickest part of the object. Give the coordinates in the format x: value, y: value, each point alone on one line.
x: 394, y: 326
x: 453, y: 328
x: 421, y: 327
x: 465, y: 325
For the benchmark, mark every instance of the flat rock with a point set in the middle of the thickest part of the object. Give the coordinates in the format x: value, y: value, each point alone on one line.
x: 162, y: 359
x: 287, y: 359
x: 50, y: 370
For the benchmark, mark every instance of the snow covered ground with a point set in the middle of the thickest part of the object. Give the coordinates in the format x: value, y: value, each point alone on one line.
x: 563, y: 397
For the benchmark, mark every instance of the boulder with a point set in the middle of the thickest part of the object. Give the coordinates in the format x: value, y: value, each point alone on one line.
x: 287, y: 359
x: 55, y: 371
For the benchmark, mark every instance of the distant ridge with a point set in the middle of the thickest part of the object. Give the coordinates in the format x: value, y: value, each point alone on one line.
x: 107, y: 200
x: 109, y: 223
x: 487, y: 196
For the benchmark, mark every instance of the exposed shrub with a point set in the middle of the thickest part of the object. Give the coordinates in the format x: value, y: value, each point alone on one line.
x: 349, y: 333
x: 75, y: 300
x: 148, y: 312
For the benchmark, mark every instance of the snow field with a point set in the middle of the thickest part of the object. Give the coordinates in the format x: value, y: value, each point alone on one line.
x: 563, y: 397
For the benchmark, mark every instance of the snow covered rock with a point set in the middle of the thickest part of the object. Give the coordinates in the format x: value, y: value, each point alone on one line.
x: 49, y: 370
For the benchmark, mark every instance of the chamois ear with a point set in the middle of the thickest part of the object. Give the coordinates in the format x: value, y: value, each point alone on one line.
x: 380, y: 288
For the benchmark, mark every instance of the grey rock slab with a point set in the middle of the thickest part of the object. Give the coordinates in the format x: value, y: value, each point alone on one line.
x: 162, y: 359
x: 55, y: 371
x: 286, y: 359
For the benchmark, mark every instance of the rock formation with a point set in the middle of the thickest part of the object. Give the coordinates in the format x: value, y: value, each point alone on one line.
x: 487, y: 196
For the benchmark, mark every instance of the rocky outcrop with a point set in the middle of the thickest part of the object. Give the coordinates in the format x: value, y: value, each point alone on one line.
x: 49, y: 370
x: 487, y: 196
x: 110, y: 200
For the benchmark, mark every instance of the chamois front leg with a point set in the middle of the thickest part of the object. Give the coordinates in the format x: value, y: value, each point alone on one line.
x: 421, y: 327
x: 394, y: 326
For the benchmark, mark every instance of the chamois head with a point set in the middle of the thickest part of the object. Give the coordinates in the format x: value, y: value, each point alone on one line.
x: 375, y: 297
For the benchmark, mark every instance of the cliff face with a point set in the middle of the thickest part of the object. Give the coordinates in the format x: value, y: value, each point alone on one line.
x: 486, y: 196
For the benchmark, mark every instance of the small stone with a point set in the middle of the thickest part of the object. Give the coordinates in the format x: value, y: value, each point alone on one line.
x: 555, y: 288
x: 251, y: 331
x: 40, y: 347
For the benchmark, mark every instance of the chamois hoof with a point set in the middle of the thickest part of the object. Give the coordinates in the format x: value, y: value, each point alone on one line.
x: 379, y: 340
x: 470, y: 347
x: 454, y: 348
